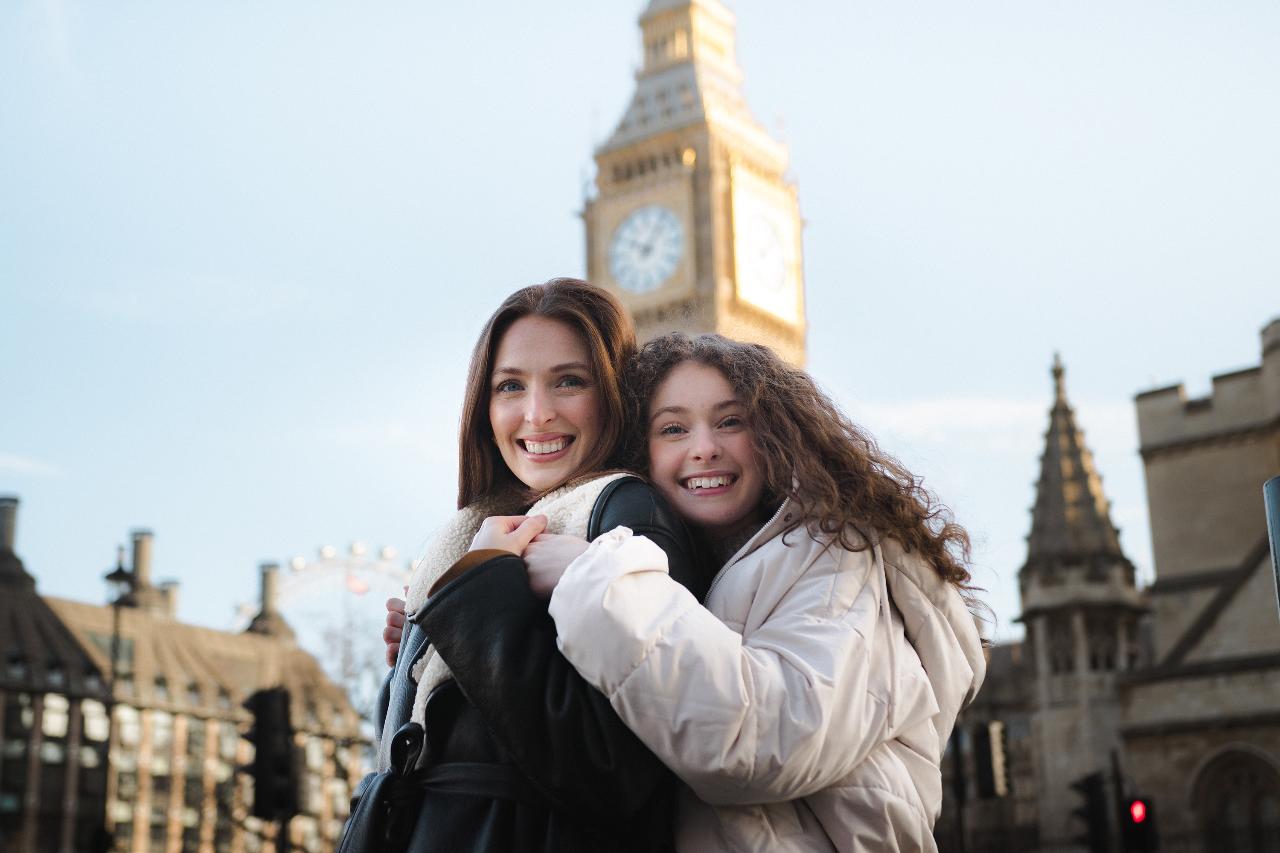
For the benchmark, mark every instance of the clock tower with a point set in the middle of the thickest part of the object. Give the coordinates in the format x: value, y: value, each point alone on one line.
x: 694, y: 223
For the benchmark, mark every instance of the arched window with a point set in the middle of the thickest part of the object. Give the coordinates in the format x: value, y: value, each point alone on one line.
x: 1238, y: 796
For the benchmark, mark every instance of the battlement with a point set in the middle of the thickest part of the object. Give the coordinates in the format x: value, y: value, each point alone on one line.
x: 1241, y: 400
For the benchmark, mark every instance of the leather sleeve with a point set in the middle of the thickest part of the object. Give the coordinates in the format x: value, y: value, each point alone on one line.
x: 633, y: 503
x: 500, y: 644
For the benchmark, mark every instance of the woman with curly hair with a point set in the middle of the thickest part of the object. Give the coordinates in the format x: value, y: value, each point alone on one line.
x: 807, y: 700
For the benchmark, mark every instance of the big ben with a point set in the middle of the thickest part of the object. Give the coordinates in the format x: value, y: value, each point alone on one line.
x: 694, y: 222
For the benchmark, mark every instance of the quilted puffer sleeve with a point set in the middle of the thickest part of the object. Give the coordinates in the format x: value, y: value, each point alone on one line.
x: 780, y: 715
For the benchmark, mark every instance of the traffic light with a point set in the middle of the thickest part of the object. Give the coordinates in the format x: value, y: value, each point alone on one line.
x: 1093, y: 811
x: 274, y: 769
x: 1138, y: 826
x: 989, y: 751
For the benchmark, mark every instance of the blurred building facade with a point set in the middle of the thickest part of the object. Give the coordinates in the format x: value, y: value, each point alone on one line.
x: 694, y: 222
x: 125, y: 727
x: 1171, y: 693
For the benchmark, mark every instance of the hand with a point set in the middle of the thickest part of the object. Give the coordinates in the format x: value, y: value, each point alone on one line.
x: 508, y: 532
x: 395, y: 628
x: 546, y: 558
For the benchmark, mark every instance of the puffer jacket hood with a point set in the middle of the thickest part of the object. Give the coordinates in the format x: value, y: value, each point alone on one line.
x: 943, y: 631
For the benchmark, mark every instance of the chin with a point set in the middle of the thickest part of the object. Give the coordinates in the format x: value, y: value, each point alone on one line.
x: 545, y: 481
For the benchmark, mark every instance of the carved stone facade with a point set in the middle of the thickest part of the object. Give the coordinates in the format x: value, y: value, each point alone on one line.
x: 694, y: 223
x: 151, y: 759
x: 1172, y: 691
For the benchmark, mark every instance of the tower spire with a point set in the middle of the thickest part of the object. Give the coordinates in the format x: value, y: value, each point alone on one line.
x: 1071, y: 516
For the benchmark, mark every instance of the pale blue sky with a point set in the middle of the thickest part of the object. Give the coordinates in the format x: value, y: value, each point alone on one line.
x: 245, y: 247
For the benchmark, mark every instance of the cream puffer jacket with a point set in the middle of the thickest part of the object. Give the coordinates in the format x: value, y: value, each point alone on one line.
x: 806, y: 706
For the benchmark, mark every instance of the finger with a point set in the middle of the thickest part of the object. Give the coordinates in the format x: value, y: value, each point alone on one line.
x: 504, y: 523
x: 524, y: 534
x: 395, y: 605
x: 395, y: 620
x: 391, y: 635
x: 393, y: 652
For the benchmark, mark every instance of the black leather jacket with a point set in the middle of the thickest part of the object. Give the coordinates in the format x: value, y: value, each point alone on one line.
x: 519, y: 753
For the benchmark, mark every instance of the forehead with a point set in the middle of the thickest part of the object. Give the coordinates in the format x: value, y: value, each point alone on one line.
x: 537, y: 343
x: 692, y: 385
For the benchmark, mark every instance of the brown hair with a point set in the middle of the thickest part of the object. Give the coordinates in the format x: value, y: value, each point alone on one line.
x: 610, y: 338
x: 809, y: 451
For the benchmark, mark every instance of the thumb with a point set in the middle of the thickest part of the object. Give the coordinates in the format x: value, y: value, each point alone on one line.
x: 528, y: 529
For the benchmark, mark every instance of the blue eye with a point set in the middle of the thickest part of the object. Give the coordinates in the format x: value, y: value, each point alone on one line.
x: 573, y: 382
x: 671, y: 429
x: 507, y: 387
x: 731, y: 421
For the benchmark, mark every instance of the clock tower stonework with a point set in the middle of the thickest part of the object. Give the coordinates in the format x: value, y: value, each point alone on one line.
x: 694, y: 223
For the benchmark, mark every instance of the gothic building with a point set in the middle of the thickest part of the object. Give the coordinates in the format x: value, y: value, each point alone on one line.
x: 1201, y: 724
x: 1170, y: 692
x: 121, y: 725
x: 694, y: 222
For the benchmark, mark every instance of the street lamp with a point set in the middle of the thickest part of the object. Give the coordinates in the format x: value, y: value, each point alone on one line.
x: 120, y: 591
x: 120, y: 588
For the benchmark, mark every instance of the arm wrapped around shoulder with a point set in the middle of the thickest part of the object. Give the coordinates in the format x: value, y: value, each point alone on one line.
x: 786, y: 712
x: 609, y: 615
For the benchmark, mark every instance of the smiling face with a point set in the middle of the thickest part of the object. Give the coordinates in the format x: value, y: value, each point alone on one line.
x: 544, y: 405
x: 702, y: 454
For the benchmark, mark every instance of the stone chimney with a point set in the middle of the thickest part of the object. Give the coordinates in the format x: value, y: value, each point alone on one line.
x: 269, y: 621
x: 270, y: 587
x: 8, y: 522
x: 169, y: 598
x: 142, y: 558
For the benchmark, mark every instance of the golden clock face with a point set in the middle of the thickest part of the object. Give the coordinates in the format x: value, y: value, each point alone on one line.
x: 763, y: 259
x: 646, y: 248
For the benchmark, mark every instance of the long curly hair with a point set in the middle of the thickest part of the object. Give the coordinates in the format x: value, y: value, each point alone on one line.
x: 842, y: 483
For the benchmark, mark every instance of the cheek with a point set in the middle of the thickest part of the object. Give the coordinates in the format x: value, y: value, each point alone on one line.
x: 662, y: 462
x: 498, y: 421
x: 588, y: 420
x: 750, y: 462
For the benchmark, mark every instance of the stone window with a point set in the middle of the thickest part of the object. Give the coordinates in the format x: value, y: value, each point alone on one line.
x: 56, y: 675
x: 1061, y: 649
x: 1101, y: 633
x: 17, y: 667
x: 128, y: 725
x: 54, y: 721
x: 1238, y: 797
x: 96, y: 724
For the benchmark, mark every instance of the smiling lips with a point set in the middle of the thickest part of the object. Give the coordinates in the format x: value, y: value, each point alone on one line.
x: 544, y: 448
x: 709, y: 483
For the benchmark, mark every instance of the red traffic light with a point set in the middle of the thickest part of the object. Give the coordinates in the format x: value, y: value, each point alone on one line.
x: 1138, y: 811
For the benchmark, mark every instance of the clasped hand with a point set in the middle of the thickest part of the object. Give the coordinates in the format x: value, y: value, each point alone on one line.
x: 546, y: 556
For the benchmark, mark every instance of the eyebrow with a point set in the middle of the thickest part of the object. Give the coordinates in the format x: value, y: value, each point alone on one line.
x: 558, y: 368
x: 680, y: 410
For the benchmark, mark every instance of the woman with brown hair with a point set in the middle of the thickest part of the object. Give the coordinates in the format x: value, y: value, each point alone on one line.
x: 489, y: 739
x: 807, y: 701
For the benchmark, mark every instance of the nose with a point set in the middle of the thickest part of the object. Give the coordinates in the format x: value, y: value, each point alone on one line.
x: 705, y: 446
x: 539, y: 407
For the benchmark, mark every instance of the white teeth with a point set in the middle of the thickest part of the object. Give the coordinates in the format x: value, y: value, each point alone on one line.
x: 546, y: 446
x: 707, y: 482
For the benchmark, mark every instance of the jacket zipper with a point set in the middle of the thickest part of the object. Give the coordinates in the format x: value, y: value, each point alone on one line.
x: 744, y: 549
